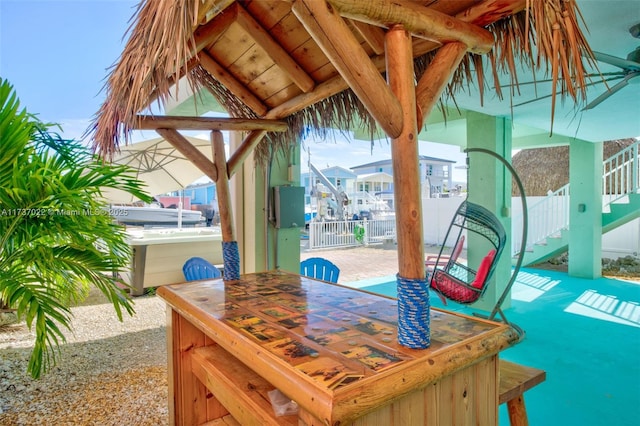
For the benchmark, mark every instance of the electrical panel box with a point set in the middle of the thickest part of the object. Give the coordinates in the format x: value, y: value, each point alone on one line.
x: 289, y: 206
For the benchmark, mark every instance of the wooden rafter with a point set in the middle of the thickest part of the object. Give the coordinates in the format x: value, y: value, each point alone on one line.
x: 490, y: 11
x: 209, y: 8
x: 337, y: 42
x: 218, y: 72
x: 322, y: 91
x: 151, y: 122
x: 274, y: 50
x: 374, y: 36
x: 208, y: 33
x: 243, y: 151
x: 417, y: 19
x: 436, y: 77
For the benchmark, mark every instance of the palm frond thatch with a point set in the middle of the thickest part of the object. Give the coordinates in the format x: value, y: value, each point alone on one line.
x: 160, y: 51
x: 547, y: 169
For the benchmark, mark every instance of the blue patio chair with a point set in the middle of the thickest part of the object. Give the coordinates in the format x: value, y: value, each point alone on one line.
x: 319, y: 268
x: 197, y: 268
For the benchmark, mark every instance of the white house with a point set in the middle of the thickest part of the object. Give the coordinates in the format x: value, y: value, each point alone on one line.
x: 435, y: 174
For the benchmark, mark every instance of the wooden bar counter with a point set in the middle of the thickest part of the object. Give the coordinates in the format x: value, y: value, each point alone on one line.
x: 330, y: 348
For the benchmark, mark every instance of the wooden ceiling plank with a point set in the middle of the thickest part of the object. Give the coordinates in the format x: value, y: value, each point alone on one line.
x: 153, y: 122
x: 273, y: 79
x: 374, y: 36
x: 343, y: 50
x: 421, y: 21
x: 208, y: 33
x: 185, y: 147
x: 234, y: 86
x: 275, y: 51
x: 436, y: 77
x: 248, y: 144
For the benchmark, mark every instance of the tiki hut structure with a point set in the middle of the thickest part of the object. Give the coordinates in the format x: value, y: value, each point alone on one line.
x: 547, y: 169
x: 284, y: 67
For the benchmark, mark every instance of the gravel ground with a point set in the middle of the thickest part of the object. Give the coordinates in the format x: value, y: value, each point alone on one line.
x: 109, y: 372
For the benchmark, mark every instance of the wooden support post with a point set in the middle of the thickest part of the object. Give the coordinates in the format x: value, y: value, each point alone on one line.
x: 222, y: 187
x: 404, y: 153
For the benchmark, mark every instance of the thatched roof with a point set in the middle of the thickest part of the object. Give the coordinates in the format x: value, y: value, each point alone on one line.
x: 259, y: 59
x: 547, y: 169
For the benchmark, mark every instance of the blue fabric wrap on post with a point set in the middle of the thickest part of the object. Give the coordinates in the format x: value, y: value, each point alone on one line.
x: 231, y: 259
x: 414, y: 319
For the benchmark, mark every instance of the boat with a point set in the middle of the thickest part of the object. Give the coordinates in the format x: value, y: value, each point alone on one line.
x: 159, y: 216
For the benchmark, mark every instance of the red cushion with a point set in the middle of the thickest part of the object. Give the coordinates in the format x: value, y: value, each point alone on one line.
x: 483, y: 270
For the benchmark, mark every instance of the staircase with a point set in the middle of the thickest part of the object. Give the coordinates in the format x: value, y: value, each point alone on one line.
x: 548, y: 228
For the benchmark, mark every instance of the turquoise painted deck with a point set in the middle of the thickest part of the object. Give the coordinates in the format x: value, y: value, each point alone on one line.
x: 584, y: 333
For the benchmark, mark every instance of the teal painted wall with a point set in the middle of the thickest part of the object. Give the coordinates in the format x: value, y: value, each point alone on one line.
x: 489, y: 185
x: 585, y: 216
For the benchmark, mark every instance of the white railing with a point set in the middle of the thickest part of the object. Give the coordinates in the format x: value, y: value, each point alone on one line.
x: 621, y: 173
x: 345, y: 233
x: 548, y: 217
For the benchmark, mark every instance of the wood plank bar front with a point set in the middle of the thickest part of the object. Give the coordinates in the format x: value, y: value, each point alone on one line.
x: 330, y: 348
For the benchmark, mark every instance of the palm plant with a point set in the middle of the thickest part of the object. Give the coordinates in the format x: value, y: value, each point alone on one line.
x: 57, y: 238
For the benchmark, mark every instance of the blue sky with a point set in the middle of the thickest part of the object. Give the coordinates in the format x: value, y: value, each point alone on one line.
x: 57, y: 55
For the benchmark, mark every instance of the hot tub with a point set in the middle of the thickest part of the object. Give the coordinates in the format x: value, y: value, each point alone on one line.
x: 158, y: 254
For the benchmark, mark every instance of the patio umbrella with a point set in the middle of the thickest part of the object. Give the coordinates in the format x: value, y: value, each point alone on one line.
x: 159, y: 165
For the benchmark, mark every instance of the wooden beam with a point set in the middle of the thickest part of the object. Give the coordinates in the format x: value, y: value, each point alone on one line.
x: 275, y: 51
x: 483, y: 13
x: 374, y: 36
x: 208, y: 8
x: 421, y: 21
x: 208, y: 33
x: 323, y: 90
x: 404, y: 154
x: 345, y: 53
x: 222, y: 187
x: 489, y: 11
x: 436, y: 77
x: 152, y: 122
x: 183, y: 145
x: 218, y: 72
x: 243, y: 151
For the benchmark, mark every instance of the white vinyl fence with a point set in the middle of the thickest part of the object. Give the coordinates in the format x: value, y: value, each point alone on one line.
x: 350, y: 233
x: 437, y: 214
